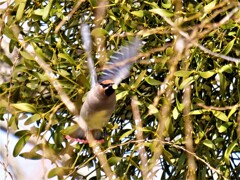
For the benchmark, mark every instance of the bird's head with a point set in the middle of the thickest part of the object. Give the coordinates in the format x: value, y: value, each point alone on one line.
x: 108, y: 87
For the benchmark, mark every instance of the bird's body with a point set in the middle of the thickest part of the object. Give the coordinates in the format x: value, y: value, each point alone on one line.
x: 100, y: 101
x: 98, y: 107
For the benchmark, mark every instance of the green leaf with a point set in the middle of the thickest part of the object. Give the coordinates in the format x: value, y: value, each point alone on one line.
x: 152, y: 4
x: 32, y: 119
x: 210, y: 6
x: 197, y: 112
x: 229, y: 151
x: 183, y: 73
x: 9, y: 33
x: 114, y: 160
x: 228, y: 47
x: 175, y: 113
x: 127, y: 133
x: 139, y: 13
x: 7, y: 60
x: 167, y: 155
x: 152, y: 81
x: 70, y: 129
x: 162, y: 12
x: 26, y: 55
x: 38, y: 12
x: 139, y: 79
x: 233, y: 110
x: 20, y: 9
x: 25, y: 107
x: 20, y: 144
x: 223, y: 127
x: 31, y: 155
x: 167, y: 4
x: 206, y: 74
x: 121, y: 95
x: 46, y: 10
x: 220, y: 115
x: 188, y: 81
x: 67, y: 57
x: 152, y: 109
x: 22, y: 132
x: 59, y: 171
x: 226, y: 68
x: 209, y: 143
x: 99, y: 32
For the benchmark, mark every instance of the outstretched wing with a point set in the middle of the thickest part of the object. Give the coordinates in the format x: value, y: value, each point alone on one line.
x: 87, y: 45
x: 119, y: 64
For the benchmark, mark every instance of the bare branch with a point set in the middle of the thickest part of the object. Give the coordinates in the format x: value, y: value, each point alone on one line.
x: 236, y: 60
x: 188, y: 133
x: 139, y: 136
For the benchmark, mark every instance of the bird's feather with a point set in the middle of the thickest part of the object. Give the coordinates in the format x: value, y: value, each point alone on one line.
x: 87, y: 45
x: 119, y: 64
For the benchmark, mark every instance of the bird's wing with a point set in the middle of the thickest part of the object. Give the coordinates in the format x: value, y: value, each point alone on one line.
x: 87, y: 45
x: 120, y: 64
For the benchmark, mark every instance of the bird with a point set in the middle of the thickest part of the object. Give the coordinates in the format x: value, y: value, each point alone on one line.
x: 100, y: 101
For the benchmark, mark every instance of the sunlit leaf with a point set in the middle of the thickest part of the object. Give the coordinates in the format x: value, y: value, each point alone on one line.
x: 206, y: 74
x: 152, y: 109
x: 197, y: 112
x: 210, y: 6
x: 24, y: 107
x: 233, y: 110
x: 20, y: 9
x: 220, y: 115
x: 152, y: 81
x: 188, y: 81
x: 183, y: 73
x: 228, y: 47
x: 121, y: 95
x: 175, y: 113
x: 162, y: 12
x: 99, y: 32
x: 226, y: 68
x: 208, y: 143
x: 139, y: 13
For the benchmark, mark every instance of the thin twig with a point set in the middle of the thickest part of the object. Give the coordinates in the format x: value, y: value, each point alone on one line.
x: 218, y: 108
x: 6, y: 170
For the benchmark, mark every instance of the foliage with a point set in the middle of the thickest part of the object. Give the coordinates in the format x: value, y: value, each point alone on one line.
x: 171, y: 63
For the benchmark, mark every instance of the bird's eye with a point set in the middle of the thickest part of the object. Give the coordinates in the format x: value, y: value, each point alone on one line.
x: 106, y: 85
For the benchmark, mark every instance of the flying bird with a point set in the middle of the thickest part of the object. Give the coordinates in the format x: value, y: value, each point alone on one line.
x: 100, y: 101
